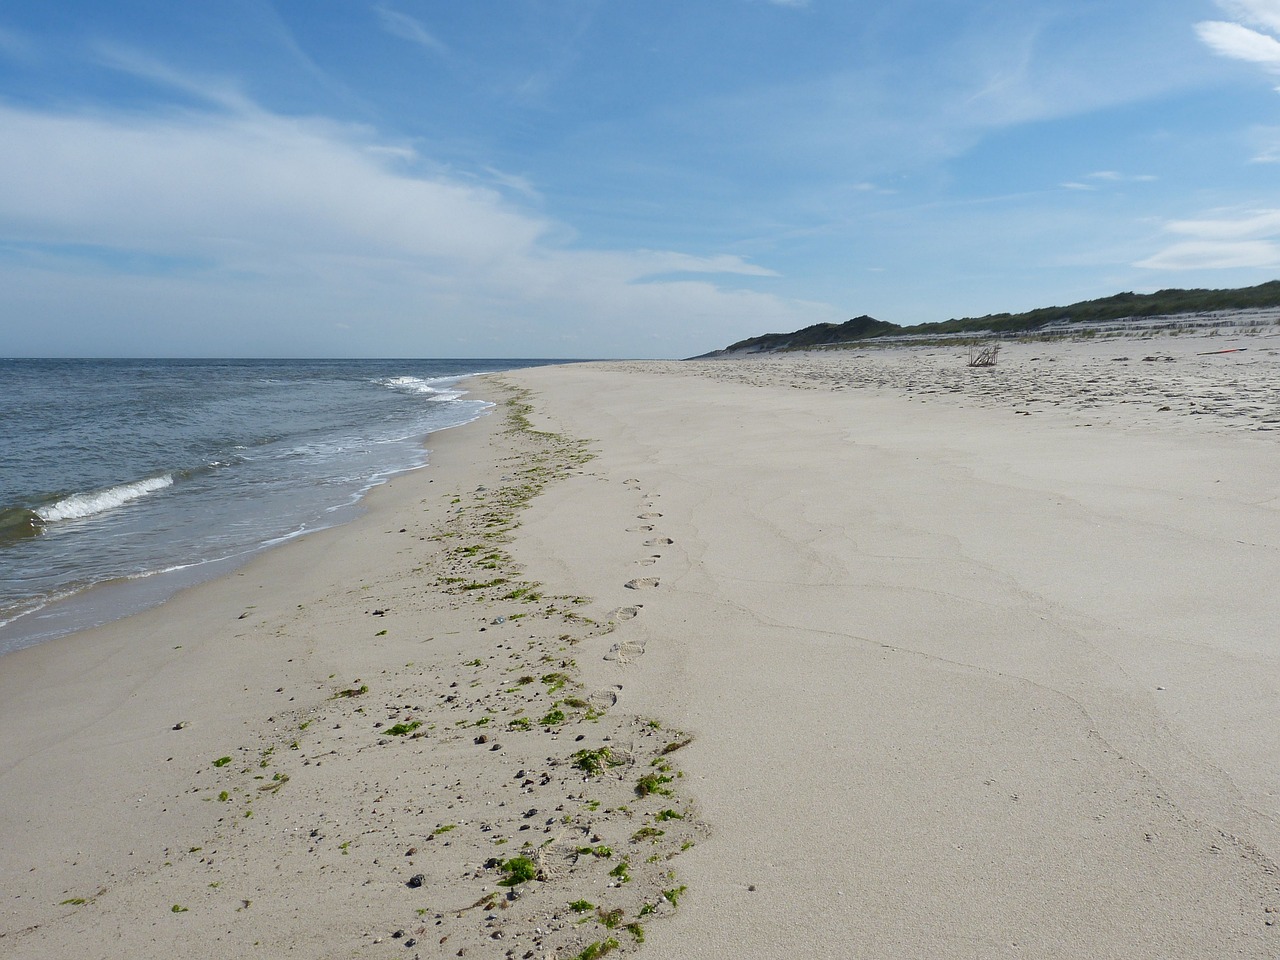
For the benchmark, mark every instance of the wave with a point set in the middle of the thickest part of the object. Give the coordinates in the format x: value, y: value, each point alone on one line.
x: 17, y: 523
x: 434, y: 388
x: 81, y: 505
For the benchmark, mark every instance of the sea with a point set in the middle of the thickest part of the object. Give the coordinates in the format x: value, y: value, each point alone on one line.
x: 124, y: 481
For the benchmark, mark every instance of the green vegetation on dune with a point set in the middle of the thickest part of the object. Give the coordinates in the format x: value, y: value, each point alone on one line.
x: 859, y: 328
x: 1120, y: 306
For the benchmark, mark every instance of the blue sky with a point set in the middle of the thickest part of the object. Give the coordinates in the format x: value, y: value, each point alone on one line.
x: 599, y: 178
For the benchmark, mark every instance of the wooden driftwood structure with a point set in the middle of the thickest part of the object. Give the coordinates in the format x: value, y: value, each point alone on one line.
x: 984, y: 356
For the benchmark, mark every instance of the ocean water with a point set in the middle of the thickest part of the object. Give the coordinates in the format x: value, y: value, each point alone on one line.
x: 122, y: 481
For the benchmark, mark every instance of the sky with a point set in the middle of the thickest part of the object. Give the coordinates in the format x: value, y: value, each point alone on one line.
x: 614, y: 178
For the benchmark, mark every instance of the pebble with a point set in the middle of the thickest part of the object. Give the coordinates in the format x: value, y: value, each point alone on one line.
x: 416, y: 881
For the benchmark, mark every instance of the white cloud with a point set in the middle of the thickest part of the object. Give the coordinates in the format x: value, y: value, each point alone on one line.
x: 1241, y: 43
x: 1266, y: 142
x: 276, y: 230
x: 1250, y: 240
x: 407, y: 28
x: 664, y: 262
x: 1114, y: 176
x: 1263, y: 223
x: 1095, y: 180
x: 1210, y: 255
x: 1259, y: 13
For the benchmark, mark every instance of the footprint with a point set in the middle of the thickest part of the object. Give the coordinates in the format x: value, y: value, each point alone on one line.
x: 659, y: 542
x: 649, y: 516
x: 623, y: 614
x: 602, y: 700
x: 646, y: 528
x: 626, y: 652
x: 644, y: 583
x: 647, y: 562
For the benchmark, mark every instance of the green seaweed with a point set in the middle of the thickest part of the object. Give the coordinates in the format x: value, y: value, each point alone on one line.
x: 400, y: 729
x: 518, y: 870
x: 598, y: 949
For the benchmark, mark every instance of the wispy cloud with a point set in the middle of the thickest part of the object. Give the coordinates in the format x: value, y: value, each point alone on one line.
x: 1095, y: 180
x: 1222, y: 242
x: 1267, y: 144
x: 292, y: 224
x: 1241, y: 43
x: 212, y: 90
x: 1114, y: 176
x: 1208, y: 255
x: 1238, y: 38
x: 1262, y: 223
x: 1259, y: 13
x: 408, y: 28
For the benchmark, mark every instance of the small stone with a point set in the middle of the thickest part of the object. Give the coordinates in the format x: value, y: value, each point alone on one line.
x: 483, y: 738
x: 416, y: 881
x: 410, y: 942
x: 397, y: 935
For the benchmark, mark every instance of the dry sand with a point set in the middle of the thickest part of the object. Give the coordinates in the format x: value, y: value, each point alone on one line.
x: 976, y: 664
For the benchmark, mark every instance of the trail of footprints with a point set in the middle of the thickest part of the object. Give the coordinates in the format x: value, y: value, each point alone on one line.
x: 627, y: 651
x: 553, y: 797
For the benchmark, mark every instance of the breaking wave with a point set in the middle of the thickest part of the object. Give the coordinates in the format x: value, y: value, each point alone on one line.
x: 81, y: 505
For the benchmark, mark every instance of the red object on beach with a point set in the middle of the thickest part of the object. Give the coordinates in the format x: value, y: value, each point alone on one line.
x: 1228, y: 350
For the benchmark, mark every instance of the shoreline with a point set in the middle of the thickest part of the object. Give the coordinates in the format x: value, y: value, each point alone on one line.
x: 353, y: 711
x: 86, y: 605
x: 946, y: 679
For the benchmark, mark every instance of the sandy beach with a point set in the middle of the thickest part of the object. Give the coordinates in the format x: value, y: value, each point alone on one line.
x: 854, y: 654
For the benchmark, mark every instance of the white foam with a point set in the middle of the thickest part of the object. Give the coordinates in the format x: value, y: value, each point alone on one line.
x: 436, y: 388
x: 81, y: 505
